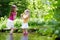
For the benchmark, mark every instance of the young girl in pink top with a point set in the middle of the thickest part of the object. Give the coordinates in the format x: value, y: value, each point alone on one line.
x: 13, y: 13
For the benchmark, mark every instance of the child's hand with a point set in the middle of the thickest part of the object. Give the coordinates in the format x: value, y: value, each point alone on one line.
x: 21, y: 16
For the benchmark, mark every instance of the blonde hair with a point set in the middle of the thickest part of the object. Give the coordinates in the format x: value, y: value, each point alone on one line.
x: 14, y: 6
x: 27, y: 10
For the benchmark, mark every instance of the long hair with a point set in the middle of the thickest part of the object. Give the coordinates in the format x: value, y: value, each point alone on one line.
x: 13, y: 8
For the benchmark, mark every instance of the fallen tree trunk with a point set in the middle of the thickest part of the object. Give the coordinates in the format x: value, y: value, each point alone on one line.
x: 19, y: 30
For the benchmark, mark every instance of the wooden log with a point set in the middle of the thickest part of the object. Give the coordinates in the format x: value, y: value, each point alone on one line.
x: 16, y: 29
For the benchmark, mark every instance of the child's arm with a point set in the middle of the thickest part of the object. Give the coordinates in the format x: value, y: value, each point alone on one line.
x: 21, y: 16
x: 16, y: 15
x: 26, y: 17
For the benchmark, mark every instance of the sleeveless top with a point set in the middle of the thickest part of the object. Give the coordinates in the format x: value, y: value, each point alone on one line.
x: 12, y: 16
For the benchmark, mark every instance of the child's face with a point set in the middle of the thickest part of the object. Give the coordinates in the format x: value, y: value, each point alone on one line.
x: 27, y: 12
x: 14, y: 9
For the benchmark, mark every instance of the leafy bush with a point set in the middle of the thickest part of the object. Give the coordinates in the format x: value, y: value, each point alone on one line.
x: 46, y: 30
x: 35, y: 22
x: 3, y: 21
x: 18, y: 23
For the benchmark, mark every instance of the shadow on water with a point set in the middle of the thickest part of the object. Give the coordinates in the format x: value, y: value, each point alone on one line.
x: 24, y: 37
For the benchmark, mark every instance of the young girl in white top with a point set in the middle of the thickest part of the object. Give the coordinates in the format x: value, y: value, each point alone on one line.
x: 25, y: 18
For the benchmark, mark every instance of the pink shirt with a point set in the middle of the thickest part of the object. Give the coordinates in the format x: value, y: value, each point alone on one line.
x: 12, y: 16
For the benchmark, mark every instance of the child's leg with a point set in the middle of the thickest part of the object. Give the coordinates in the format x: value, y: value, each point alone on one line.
x: 25, y: 32
x: 11, y: 31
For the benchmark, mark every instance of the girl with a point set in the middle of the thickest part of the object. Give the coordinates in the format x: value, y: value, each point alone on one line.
x: 13, y: 13
x: 25, y: 17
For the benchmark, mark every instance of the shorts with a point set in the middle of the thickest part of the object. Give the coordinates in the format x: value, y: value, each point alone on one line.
x: 10, y: 24
x: 24, y: 25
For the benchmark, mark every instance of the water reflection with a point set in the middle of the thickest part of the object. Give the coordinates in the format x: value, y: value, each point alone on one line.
x: 24, y: 37
x: 9, y: 37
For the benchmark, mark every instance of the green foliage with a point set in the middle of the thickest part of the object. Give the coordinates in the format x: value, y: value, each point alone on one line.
x: 42, y: 12
x: 5, y: 6
x: 46, y: 30
x: 3, y: 22
x: 18, y: 23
